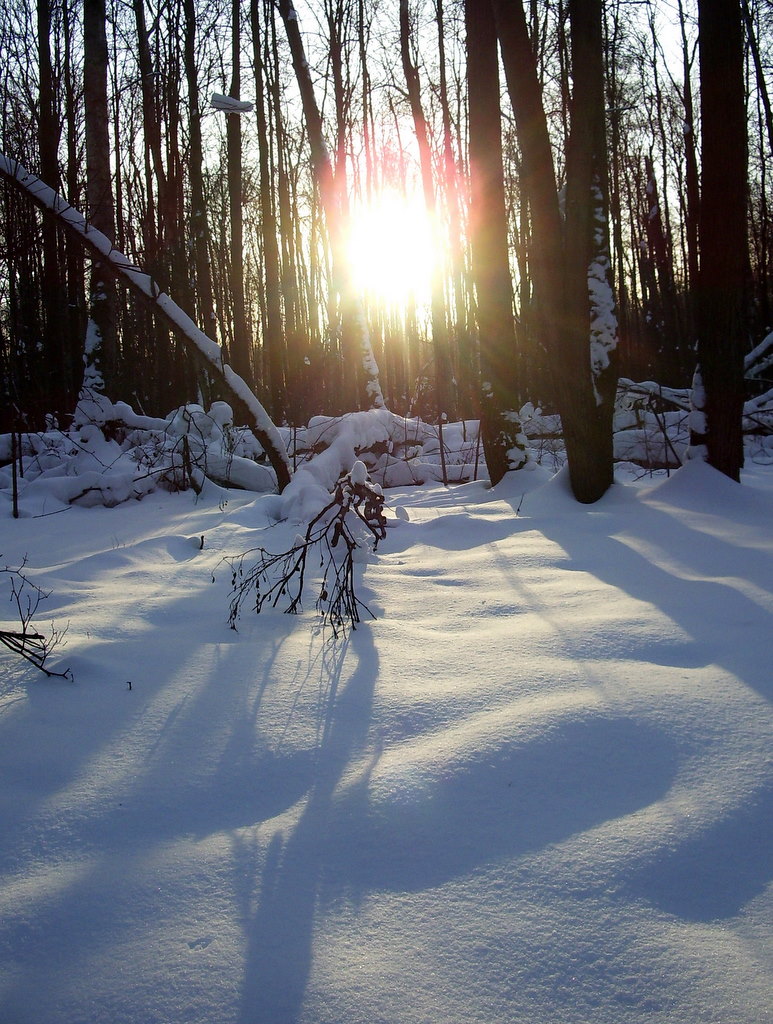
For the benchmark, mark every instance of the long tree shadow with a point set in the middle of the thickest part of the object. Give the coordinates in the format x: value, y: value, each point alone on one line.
x: 280, y: 934
x: 696, y: 581
x: 718, y: 591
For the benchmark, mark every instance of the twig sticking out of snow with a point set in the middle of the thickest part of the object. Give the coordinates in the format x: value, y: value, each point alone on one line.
x: 273, y: 578
x: 34, y: 647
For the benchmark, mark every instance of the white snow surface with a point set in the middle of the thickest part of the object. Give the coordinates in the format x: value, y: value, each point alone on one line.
x: 537, y: 789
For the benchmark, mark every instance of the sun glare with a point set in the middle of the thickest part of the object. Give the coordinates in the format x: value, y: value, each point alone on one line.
x: 391, y: 249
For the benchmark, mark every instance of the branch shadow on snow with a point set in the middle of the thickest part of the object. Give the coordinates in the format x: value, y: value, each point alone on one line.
x: 280, y: 932
x: 179, y: 758
x: 713, y: 875
x: 419, y: 829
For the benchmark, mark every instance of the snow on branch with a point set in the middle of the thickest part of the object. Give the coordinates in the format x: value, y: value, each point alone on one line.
x: 229, y: 105
x: 142, y: 284
x: 760, y: 359
x: 350, y: 524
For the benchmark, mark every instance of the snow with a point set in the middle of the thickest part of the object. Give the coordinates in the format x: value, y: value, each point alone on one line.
x: 230, y: 104
x: 537, y: 788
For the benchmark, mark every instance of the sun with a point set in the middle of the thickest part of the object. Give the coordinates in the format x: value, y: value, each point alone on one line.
x: 390, y: 249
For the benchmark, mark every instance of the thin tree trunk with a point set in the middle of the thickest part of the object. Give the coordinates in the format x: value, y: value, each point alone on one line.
x: 563, y: 262
x: 443, y: 375
x: 58, y: 388
x: 240, y: 348
x: 101, y: 348
x: 272, y: 326
x: 116, y: 264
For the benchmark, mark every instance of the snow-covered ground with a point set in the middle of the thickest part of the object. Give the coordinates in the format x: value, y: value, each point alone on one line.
x: 537, y: 789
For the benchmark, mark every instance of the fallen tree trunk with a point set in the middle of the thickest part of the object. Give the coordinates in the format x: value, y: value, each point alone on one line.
x: 143, y: 285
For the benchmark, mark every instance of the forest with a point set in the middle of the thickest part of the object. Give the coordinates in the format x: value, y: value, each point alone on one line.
x: 446, y: 210
x: 444, y: 327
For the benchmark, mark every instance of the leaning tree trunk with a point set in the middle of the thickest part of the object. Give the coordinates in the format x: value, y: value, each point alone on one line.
x: 116, y: 264
x: 58, y: 387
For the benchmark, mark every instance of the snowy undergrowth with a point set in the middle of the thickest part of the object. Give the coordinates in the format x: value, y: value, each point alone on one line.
x: 111, y: 454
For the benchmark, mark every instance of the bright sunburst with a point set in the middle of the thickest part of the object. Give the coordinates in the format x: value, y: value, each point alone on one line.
x: 391, y: 249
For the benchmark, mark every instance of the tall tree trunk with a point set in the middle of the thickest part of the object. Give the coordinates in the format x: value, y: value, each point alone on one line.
x: 589, y: 311
x: 58, y: 387
x: 272, y: 326
x: 297, y: 332
x: 461, y: 341
x: 240, y: 354
x: 692, y: 182
x: 76, y: 285
x: 570, y: 267
x: 503, y: 444
x: 722, y: 337
x: 101, y: 348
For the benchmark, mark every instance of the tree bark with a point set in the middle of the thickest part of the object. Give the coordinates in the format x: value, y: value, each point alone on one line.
x: 722, y: 336
x: 101, y: 347
x: 241, y: 346
x: 503, y: 445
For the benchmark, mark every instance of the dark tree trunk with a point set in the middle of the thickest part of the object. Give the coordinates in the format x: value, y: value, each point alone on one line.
x: 722, y: 325
x: 58, y: 384
x: 562, y: 253
x: 101, y: 354
x: 500, y: 428
x: 588, y: 398
x: 199, y: 229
